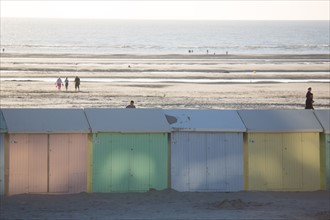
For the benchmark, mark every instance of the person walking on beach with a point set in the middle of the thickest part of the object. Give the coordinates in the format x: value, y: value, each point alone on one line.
x: 77, y: 83
x: 59, y: 83
x: 131, y: 105
x: 66, y: 81
x: 309, y: 99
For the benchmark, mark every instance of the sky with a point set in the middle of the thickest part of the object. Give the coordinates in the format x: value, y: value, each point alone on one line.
x: 170, y: 9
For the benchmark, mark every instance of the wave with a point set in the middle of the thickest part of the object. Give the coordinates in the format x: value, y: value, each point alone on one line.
x: 163, y: 48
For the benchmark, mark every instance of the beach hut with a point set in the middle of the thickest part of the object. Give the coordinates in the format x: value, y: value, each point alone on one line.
x: 206, y: 150
x: 281, y: 150
x: 130, y: 150
x: 3, y: 130
x: 46, y: 151
x: 324, y: 118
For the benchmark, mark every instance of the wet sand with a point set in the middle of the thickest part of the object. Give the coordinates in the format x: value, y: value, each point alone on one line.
x: 165, y: 81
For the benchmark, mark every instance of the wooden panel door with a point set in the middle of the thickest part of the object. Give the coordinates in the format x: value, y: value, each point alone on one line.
x: 59, y: 163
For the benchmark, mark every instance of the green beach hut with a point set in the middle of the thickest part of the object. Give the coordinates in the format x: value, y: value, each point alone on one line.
x: 324, y: 118
x: 129, y: 150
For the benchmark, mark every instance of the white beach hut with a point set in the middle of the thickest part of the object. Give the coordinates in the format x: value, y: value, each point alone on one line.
x: 206, y: 150
x: 282, y: 151
x: 46, y: 151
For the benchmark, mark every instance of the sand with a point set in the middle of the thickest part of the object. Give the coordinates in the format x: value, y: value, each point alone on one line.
x: 169, y: 81
x: 165, y: 81
x: 169, y: 204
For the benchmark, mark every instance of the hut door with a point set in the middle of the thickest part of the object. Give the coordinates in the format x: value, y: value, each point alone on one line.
x: 37, y: 163
x: 28, y: 163
x: 180, y: 161
x: 58, y: 163
x: 216, y: 161
x: 18, y: 163
x: 130, y: 159
x: 292, y: 161
x: 117, y: 162
x: 139, y: 157
x: 197, y: 162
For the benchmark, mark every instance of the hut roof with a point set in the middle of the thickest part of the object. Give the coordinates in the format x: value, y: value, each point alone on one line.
x: 324, y: 118
x: 127, y: 120
x: 46, y: 120
x: 3, y: 125
x: 205, y: 120
x: 280, y: 121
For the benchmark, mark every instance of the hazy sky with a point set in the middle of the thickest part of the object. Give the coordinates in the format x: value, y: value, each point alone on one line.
x: 171, y: 9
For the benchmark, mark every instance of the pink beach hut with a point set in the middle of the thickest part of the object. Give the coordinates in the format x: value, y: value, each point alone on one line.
x: 46, y: 151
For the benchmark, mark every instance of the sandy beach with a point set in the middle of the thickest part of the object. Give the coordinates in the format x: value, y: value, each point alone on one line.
x: 165, y: 81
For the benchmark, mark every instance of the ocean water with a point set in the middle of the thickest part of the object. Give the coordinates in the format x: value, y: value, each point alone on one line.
x: 143, y: 36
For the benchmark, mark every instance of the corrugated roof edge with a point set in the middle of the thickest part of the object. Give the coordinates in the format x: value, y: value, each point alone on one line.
x: 42, y: 130
x: 325, y: 130
x: 172, y: 119
x: 3, y: 124
x: 318, y: 127
x: 128, y: 130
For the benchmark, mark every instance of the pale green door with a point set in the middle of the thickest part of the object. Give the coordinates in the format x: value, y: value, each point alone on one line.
x: 129, y: 162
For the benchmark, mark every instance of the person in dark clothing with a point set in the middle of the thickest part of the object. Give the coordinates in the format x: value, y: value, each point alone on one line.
x: 131, y: 105
x: 66, y: 81
x: 77, y: 83
x: 309, y: 99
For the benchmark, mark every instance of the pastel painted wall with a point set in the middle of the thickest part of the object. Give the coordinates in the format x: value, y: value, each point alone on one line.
x: 129, y: 162
x: 282, y: 161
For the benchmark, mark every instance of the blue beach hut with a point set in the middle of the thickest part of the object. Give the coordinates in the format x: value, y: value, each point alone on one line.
x: 206, y: 150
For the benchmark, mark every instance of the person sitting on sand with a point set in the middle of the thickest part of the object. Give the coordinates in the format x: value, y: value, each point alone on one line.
x: 131, y: 105
x: 309, y: 99
x: 77, y: 83
x: 59, y: 83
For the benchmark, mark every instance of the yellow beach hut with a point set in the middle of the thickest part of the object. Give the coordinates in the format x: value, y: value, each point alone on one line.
x: 281, y: 150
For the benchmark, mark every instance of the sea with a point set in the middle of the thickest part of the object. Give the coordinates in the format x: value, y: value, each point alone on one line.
x: 35, y: 35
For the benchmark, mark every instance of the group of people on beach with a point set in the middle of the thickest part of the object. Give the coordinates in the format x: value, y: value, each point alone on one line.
x: 59, y: 83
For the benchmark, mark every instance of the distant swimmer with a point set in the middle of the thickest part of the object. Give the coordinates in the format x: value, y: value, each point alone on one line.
x: 3, y: 50
x: 131, y: 105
